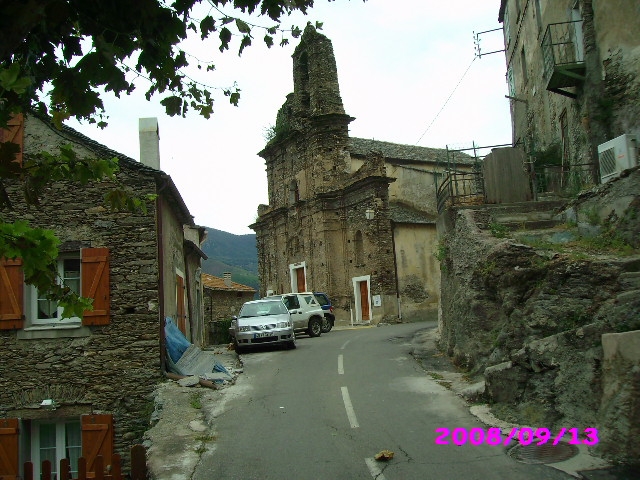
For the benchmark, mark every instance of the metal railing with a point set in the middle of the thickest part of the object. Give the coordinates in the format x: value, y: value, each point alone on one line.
x: 562, y: 45
x: 563, y: 180
x: 460, y: 188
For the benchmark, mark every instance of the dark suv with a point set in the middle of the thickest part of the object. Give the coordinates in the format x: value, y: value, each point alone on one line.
x: 329, y: 317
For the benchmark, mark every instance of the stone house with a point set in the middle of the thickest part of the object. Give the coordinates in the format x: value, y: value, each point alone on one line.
x: 572, y: 71
x: 82, y: 387
x: 351, y: 217
x: 222, y: 299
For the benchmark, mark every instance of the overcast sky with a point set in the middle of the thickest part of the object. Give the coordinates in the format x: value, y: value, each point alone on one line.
x: 398, y: 63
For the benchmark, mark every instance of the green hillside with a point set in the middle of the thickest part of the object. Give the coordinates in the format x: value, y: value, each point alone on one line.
x: 231, y: 253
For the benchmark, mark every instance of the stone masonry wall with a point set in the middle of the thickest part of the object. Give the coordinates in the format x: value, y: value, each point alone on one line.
x: 115, y: 367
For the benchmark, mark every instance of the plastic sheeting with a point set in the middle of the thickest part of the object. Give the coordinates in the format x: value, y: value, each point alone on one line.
x: 184, y: 358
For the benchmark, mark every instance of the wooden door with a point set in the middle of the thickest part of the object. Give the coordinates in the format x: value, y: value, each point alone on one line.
x: 9, y: 467
x: 364, y: 301
x: 301, y: 284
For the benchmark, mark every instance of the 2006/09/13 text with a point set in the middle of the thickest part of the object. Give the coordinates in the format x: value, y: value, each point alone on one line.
x: 526, y: 436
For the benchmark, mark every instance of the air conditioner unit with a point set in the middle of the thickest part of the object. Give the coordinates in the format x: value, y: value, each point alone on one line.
x: 617, y: 155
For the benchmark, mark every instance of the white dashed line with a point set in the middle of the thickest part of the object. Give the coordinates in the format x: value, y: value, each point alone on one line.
x: 344, y: 345
x: 351, y: 414
x: 340, y: 365
x: 375, y: 471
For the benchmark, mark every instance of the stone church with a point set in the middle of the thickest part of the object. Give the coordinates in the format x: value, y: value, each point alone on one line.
x: 351, y: 217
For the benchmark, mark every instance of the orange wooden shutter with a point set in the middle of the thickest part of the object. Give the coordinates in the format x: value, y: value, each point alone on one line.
x: 97, y: 439
x: 9, y: 462
x: 11, y: 294
x: 95, y: 284
x: 181, y: 313
x: 14, y: 133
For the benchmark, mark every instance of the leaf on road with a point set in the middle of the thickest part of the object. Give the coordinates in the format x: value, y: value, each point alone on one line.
x: 384, y: 455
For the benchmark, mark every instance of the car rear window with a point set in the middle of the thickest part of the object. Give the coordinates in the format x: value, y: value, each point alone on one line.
x: 322, y: 300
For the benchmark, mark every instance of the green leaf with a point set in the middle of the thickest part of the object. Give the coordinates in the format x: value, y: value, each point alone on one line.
x: 172, y: 105
x: 207, y: 25
x: 225, y: 38
x: 268, y: 39
x: 242, y: 27
x: 244, y: 43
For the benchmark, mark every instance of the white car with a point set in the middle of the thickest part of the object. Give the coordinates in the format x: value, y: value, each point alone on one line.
x: 306, y: 313
x: 261, y: 322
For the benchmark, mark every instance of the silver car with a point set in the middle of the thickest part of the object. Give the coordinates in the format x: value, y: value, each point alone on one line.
x: 262, y: 322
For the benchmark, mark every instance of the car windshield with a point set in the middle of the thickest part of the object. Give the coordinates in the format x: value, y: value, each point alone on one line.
x: 260, y: 309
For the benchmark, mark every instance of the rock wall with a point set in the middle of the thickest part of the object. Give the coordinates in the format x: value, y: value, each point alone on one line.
x: 529, y: 313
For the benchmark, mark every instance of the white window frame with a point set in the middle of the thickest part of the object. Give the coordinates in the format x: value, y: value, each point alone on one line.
x: 61, y: 446
x: 31, y: 298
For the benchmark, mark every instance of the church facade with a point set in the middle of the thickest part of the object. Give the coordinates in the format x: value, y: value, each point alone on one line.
x: 351, y: 217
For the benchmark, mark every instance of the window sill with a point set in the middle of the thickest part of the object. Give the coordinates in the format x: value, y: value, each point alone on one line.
x: 68, y: 330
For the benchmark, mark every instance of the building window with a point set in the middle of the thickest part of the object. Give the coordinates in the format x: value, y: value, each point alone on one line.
x: 506, y: 28
x: 54, y: 441
x: 44, y: 311
x: 523, y: 64
x: 86, y: 273
x: 538, y: 15
x: 294, y: 192
x: 511, y: 82
x: 359, y: 248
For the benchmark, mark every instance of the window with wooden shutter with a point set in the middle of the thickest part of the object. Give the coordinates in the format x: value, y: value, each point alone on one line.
x: 97, y: 439
x: 14, y: 133
x: 11, y: 294
x: 95, y: 284
x: 9, y: 459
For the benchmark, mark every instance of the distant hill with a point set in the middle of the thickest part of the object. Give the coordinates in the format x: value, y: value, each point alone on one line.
x: 232, y: 253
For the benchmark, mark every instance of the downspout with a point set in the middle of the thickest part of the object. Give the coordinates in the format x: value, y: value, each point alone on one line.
x: 395, y: 267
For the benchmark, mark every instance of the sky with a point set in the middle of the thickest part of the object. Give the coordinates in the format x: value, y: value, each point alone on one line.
x: 407, y: 70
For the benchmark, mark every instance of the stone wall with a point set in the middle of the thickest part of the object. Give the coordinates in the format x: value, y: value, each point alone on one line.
x: 111, y: 368
x: 528, y: 310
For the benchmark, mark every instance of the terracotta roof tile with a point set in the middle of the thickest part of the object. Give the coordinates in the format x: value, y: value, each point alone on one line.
x: 217, y: 283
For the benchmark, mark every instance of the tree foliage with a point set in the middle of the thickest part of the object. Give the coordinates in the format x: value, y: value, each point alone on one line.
x: 58, y: 57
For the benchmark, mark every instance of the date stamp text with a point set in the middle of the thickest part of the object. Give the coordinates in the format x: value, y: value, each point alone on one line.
x: 525, y: 436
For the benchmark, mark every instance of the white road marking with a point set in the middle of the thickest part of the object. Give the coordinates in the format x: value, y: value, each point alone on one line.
x: 351, y: 414
x: 375, y: 471
x: 344, y: 345
x: 340, y: 365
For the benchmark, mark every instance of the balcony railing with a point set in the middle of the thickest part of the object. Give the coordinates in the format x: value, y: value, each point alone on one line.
x: 563, y: 53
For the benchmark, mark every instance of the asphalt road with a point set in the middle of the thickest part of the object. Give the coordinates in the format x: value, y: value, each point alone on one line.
x: 324, y: 410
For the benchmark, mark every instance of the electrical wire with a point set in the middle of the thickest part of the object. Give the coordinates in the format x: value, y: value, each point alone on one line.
x: 447, y: 100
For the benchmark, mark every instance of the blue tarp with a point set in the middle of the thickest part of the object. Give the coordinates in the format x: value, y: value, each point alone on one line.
x: 177, y: 343
x: 187, y: 359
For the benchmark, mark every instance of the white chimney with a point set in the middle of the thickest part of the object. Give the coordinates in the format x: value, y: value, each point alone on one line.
x: 227, y: 278
x: 149, y: 142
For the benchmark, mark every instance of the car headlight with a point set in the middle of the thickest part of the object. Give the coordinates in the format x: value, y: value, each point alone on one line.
x: 282, y: 324
x: 244, y: 328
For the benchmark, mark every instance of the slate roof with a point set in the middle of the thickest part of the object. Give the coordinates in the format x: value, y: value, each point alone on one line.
x: 124, y: 160
x: 402, y: 213
x: 397, y: 151
x: 217, y: 283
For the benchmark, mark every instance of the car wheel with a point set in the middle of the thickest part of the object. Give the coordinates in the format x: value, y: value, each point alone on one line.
x: 315, y: 327
x: 238, y: 348
x: 326, y: 325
